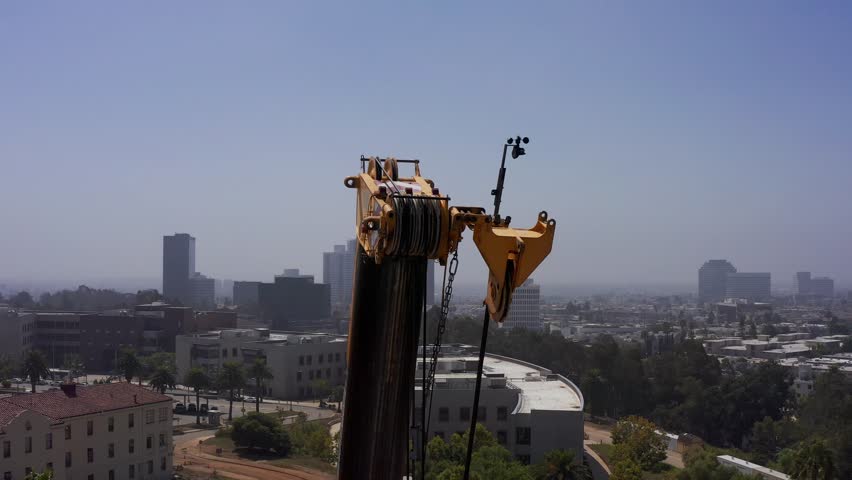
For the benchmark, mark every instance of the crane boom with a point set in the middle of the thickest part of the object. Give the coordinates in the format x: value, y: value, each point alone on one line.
x: 401, y: 222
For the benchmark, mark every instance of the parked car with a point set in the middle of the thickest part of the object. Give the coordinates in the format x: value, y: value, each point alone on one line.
x: 192, y: 408
x: 180, y: 408
x: 213, y: 409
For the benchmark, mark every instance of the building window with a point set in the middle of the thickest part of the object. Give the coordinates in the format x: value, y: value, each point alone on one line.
x: 481, y: 414
x: 111, y: 424
x: 150, y: 467
x: 111, y: 450
x: 7, y: 449
x: 28, y: 444
x: 299, y: 376
x: 48, y: 441
x: 90, y: 427
x: 522, y: 435
x: 91, y: 476
x: 502, y: 414
x: 28, y: 426
x: 131, y: 420
x: 149, y: 416
x: 90, y: 455
x: 233, y: 354
x: 320, y: 358
x: 164, y: 414
x: 131, y: 471
x: 67, y: 432
x: 162, y: 439
x: 111, y: 475
x: 464, y: 414
x: 131, y: 446
x: 28, y: 471
x: 301, y: 359
x: 49, y: 467
x: 502, y: 437
x: 67, y: 459
x: 149, y: 442
x: 163, y: 463
x: 327, y: 373
x: 444, y: 414
x: 337, y: 357
x: 310, y: 374
x: 310, y: 358
x: 224, y: 353
x: 7, y: 475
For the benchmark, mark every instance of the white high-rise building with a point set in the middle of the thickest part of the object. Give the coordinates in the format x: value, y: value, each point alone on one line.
x: 525, y: 310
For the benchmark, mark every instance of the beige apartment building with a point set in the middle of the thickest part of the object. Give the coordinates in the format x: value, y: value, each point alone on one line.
x: 297, y: 360
x: 100, y: 432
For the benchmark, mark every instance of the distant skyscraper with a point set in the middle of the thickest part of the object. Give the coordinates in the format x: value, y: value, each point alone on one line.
x: 293, y: 299
x: 202, y: 292
x: 525, y: 309
x: 802, y: 283
x: 822, y: 286
x: 751, y: 286
x: 338, y: 268
x: 712, y: 278
x: 178, y: 266
x: 246, y: 293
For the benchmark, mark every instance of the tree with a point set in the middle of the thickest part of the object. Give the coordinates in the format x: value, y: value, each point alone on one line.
x: 45, y: 475
x: 197, y: 380
x: 7, y: 367
x: 34, y: 367
x: 129, y: 365
x: 147, y: 296
x: 22, y: 299
x: 488, y: 461
x: 260, y: 431
x: 321, y: 388
x: 231, y: 378
x: 311, y: 439
x: 810, y: 460
x: 635, y: 438
x: 626, y: 469
x: 74, y: 364
x: 561, y: 465
x: 161, y: 380
x: 769, y: 437
x: 260, y: 373
x: 701, y: 464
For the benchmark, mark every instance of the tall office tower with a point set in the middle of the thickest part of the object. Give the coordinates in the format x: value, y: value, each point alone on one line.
x: 751, y: 286
x: 178, y: 266
x: 822, y: 286
x: 202, y: 292
x: 293, y: 299
x: 338, y: 267
x: 712, y: 278
x: 802, y: 283
x: 525, y: 309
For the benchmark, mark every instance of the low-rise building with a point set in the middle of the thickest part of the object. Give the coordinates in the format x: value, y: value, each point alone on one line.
x: 297, y: 360
x: 529, y: 409
x: 17, y: 331
x: 112, y: 431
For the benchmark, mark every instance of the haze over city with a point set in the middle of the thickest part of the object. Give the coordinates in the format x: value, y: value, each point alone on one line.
x: 659, y: 137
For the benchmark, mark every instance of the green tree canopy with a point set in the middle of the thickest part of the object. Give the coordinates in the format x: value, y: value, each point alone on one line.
x: 34, y: 367
x: 636, y: 439
x: 231, y: 377
x: 197, y: 380
x: 261, y: 431
x: 129, y: 365
x: 161, y: 380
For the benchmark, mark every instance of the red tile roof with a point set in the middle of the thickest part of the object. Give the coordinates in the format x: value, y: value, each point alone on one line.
x: 9, y: 413
x: 59, y: 405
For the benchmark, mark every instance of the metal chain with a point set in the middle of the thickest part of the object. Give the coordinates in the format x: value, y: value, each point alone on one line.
x: 442, y: 326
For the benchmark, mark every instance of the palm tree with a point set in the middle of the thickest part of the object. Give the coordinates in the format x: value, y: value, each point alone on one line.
x: 813, y: 461
x: 162, y: 379
x: 75, y: 366
x: 259, y: 372
x: 129, y: 365
x: 561, y: 465
x: 197, y: 380
x: 231, y: 377
x: 34, y: 367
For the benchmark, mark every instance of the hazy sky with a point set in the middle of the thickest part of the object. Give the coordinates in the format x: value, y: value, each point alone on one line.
x: 663, y: 134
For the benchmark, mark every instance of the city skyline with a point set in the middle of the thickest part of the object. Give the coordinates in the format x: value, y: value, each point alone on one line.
x: 658, y: 140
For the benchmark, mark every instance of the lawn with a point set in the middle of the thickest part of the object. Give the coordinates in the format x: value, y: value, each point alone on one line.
x: 667, y: 471
x: 292, y: 461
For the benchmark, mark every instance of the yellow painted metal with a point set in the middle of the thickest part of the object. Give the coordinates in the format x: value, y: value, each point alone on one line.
x: 511, y: 254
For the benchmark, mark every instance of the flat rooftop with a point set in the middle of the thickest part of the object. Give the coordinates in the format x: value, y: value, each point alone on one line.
x: 538, y: 388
